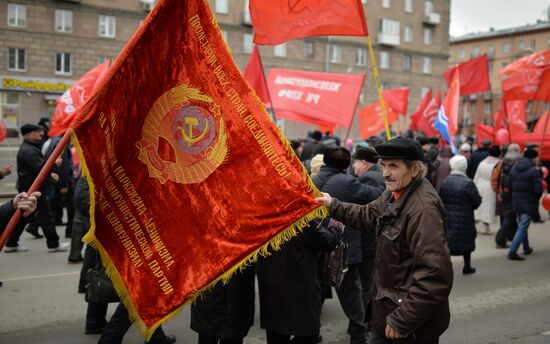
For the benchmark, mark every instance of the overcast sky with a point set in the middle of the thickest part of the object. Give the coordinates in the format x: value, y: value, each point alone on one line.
x: 469, y: 16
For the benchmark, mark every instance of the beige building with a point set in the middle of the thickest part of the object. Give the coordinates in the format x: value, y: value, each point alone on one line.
x: 47, y: 45
x: 502, y: 47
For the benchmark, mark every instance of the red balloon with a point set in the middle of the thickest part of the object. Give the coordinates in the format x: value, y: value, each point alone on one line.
x: 544, y: 185
x: 544, y: 172
x: 502, y: 136
x: 546, y: 202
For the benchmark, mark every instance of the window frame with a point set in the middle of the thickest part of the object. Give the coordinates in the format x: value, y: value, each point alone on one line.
x: 63, y: 12
x: 17, y: 60
x: 385, y: 60
x: 221, y: 6
x: 63, y: 63
x: 407, y: 62
x: 407, y: 29
x: 280, y: 50
x: 106, y: 24
x: 426, y: 65
x: 335, y: 54
x: 17, y: 11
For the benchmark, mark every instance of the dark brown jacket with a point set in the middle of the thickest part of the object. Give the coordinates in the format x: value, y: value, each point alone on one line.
x: 413, y: 274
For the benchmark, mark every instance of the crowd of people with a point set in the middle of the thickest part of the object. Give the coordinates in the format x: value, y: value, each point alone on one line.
x: 402, y: 207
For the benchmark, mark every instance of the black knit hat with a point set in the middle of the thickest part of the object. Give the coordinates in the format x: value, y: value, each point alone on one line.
x: 339, y: 158
x: 495, y: 151
x: 27, y: 128
x: 400, y: 148
x: 530, y: 153
x: 366, y: 153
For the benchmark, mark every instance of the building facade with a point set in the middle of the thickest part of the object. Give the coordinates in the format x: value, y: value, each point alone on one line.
x: 502, y: 47
x: 47, y: 45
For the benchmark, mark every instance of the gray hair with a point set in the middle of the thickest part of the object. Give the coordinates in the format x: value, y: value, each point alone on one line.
x: 420, y: 165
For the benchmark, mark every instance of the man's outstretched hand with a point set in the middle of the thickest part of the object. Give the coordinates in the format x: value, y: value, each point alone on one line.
x: 325, y: 199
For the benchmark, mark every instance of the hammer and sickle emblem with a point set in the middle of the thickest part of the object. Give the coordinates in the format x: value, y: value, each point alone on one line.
x: 188, y: 136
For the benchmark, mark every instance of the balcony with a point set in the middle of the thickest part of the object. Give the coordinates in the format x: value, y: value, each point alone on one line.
x: 388, y: 39
x: 431, y: 19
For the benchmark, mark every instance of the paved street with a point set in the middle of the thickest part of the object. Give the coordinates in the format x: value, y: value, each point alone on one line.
x: 504, y: 302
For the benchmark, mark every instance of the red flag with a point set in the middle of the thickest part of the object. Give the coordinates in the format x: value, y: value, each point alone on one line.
x: 536, y: 60
x: 533, y: 83
x: 315, y: 98
x: 417, y: 115
x: 541, y: 123
x: 397, y: 99
x: 474, y: 76
x: 516, y: 117
x: 371, y: 120
x: 499, y: 119
x: 278, y: 21
x: 485, y: 132
x: 74, y: 97
x: 451, y: 102
x: 426, y: 123
x: 3, y: 131
x: 255, y: 76
x: 189, y: 177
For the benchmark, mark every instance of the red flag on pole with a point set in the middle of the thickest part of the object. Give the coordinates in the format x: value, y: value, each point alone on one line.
x: 451, y: 103
x: 278, y: 21
x: 189, y: 177
x: 541, y: 122
x: 397, y: 99
x: 316, y: 98
x: 474, y: 76
x: 426, y: 123
x: 255, y: 76
x: 371, y: 120
x: 485, y: 132
x: 527, y: 84
x: 74, y: 97
x: 516, y: 117
x: 536, y: 60
x: 3, y: 131
x: 417, y: 115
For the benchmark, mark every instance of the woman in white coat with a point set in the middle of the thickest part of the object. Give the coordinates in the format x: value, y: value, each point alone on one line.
x: 486, y: 212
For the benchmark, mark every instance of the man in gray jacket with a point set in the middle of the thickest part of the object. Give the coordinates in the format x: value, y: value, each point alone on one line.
x: 413, y: 274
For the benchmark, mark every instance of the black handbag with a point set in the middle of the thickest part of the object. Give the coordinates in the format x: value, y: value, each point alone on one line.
x: 100, y: 288
x: 334, y: 263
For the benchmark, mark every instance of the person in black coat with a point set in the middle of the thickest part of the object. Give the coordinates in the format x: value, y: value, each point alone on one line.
x: 477, y: 157
x: 460, y: 197
x: 224, y: 314
x: 333, y: 179
x: 290, y: 293
x: 526, y: 186
x: 307, y: 150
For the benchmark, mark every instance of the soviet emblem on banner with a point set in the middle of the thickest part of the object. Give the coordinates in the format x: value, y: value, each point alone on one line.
x: 183, y: 137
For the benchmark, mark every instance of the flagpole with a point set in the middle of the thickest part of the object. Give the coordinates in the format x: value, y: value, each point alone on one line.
x: 35, y: 186
x: 544, y: 133
x: 377, y: 81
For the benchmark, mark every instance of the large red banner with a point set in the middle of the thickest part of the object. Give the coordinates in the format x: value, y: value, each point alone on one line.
x: 526, y: 84
x: 474, y: 76
x: 277, y: 21
x: 189, y: 177
x: 326, y: 99
x: 536, y: 60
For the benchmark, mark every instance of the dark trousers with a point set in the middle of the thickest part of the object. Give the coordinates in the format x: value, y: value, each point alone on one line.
x: 277, y: 338
x: 118, y: 325
x: 95, y: 316
x: 58, y: 201
x: 376, y: 339
x: 44, y: 219
x: 205, y: 339
x: 508, y: 225
x: 350, y: 295
x: 91, y: 257
x: 367, y: 267
x: 81, y: 225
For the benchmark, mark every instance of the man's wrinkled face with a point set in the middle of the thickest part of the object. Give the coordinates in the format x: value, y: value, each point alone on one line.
x: 396, y: 174
x: 34, y: 136
x: 359, y: 167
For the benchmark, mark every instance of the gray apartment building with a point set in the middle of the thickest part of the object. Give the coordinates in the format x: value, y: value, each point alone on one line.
x: 47, y: 45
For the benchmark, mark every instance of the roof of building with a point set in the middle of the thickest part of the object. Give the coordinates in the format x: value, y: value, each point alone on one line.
x: 540, y: 25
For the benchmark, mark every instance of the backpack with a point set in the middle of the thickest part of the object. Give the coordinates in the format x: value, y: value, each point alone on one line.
x: 500, y: 177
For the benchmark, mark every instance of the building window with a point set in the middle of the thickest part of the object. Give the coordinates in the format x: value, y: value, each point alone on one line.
x: 408, y: 33
x: 409, y: 6
x: 487, y: 108
x: 428, y: 6
x: 364, y: 2
x: 386, y: 3
x: 63, y: 63
x: 63, y: 21
x: 427, y: 65
x: 475, y: 52
x: 9, y: 109
x: 490, y: 68
x: 107, y: 26
x: 548, y: 43
x: 521, y: 45
x: 309, y: 49
x: 491, y: 52
x: 222, y: 6
x: 407, y: 62
x: 384, y: 60
x: 335, y: 54
x: 428, y: 36
x: 462, y: 54
x: 532, y: 44
x: 17, y: 60
x: 280, y: 50
x: 248, y: 42
x: 17, y: 15
x: 361, y: 57
x: 390, y: 27
x: 506, y: 48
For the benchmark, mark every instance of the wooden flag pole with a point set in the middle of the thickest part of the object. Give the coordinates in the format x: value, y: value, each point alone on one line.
x: 35, y: 186
x: 377, y: 81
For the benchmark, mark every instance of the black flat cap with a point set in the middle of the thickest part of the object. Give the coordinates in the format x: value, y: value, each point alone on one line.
x: 27, y: 128
x: 531, y: 145
x: 366, y: 153
x: 423, y: 140
x: 400, y: 148
x: 530, y: 153
x: 338, y: 157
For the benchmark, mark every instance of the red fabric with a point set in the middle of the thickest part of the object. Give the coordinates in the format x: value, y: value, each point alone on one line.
x: 371, y: 120
x: 526, y: 84
x: 474, y: 76
x: 3, y: 131
x: 316, y: 98
x: 485, y: 132
x: 498, y: 118
x: 426, y: 122
x: 74, y: 98
x: 536, y: 60
x: 277, y: 21
x: 255, y: 76
x: 397, y: 99
x: 541, y: 123
x: 416, y: 117
x: 452, y: 101
x: 190, y: 177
